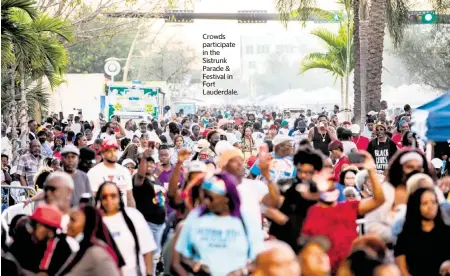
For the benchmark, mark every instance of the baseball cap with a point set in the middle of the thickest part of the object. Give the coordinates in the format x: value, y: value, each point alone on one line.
x: 279, y: 139
x: 128, y: 161
x: 335, y: 144
x: 355, y: 128
x: 70, y: 149
x: 109, y: 144
x: 201, y: 144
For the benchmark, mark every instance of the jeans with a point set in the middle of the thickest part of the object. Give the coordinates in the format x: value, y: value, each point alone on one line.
x: 157, y: 231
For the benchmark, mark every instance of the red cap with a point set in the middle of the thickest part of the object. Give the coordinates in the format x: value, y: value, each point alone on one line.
x: 273, y: 127
x: 335, y: 144
x: 109, y: 144
x: 47, y: 215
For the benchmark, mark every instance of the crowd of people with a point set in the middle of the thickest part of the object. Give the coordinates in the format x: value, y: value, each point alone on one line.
x: 227, y: 191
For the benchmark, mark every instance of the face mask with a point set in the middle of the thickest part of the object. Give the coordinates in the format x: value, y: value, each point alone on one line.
x: 42, y: 140
x: 329, y: 196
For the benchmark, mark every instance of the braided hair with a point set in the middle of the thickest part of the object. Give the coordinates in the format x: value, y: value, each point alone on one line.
x: 127, y: 219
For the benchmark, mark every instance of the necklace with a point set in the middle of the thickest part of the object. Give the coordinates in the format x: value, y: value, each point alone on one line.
x: 323, y: 136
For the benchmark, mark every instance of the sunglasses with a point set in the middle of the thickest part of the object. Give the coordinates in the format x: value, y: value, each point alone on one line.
x: 106, y: 196
x: 49, y: 188
x: 130, y: 167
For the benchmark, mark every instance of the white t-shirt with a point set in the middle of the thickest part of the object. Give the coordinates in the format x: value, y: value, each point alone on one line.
x: 108, y: 137
x: 251, y: 193
x: 349, y: 146
x: 125, y: 241
x: 129, y: 134
x: 120, y: 175
x: 231, y: 138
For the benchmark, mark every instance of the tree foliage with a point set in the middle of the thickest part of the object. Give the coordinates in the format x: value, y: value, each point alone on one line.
x: 89, y: 57
x: 426, y: 55
x: 32, y: 47
x: 166, y: 61
x: 335, y: 58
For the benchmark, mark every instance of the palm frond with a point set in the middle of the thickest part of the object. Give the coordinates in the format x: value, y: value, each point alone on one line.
x: 37, y: 95
x: 28, y: 6
x: 286, y: 7
x: 396, y: 19
x: 330, y: 39
x: 46, y: 25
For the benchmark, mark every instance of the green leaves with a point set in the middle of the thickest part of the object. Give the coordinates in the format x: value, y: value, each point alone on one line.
x: 334, y: 59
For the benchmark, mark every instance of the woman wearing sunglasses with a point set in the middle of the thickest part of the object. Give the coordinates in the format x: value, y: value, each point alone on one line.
x: 129, y: 231
x: 216, y: 231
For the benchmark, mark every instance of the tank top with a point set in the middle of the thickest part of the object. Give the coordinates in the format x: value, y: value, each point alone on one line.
x: 321, y: 142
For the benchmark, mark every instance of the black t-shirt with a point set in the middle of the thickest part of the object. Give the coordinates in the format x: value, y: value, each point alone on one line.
x: 382, y: 152
x: 424, y: 251
x: 295, y: 206
x: 147, y: 203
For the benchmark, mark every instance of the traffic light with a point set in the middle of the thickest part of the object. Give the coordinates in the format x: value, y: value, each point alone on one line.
x: 179, y: 16
x: 426, y: 17
x: 257, y: 16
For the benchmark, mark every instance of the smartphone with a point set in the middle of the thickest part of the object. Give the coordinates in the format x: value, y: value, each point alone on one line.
x: 356, y: 158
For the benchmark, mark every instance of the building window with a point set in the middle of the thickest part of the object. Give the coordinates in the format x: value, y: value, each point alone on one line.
x: 249, y: 50
x: 279, y: 48
x: 252, y: 64
x: 262, y: 49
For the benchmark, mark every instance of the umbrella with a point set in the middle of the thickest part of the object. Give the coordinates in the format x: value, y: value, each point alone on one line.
x: 431, y: 121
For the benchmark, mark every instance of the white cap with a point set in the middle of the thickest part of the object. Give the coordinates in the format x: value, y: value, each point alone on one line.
x: 372, y: 113
x: 197, y: 166
x: 70, y: 149
x: 128, y: 161
x: 355, y: 128
x: 201, y: 144
x: 437, y: 163
x: 222, y: 146
x: 280, y: 139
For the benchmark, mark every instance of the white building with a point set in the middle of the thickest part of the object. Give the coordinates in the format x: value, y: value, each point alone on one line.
x: 256, y: 50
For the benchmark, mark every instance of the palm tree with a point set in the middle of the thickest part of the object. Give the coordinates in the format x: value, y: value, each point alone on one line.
x: 33, y: 51
x: 336, y: 60
x: 381, y: 11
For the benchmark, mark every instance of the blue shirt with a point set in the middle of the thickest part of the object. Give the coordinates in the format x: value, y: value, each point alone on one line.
x: 219, y: 242
x: 282, y: 168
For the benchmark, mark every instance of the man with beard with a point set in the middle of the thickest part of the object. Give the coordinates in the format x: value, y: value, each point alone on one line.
x: 29, y: 164
x: 213, y: 138
x: 109, y: 170
x: 381, y: 148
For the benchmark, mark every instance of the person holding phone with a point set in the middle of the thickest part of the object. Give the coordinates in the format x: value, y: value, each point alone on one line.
x: 322, y: 135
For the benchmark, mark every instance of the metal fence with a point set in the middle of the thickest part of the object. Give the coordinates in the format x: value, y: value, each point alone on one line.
x: 12, y: 194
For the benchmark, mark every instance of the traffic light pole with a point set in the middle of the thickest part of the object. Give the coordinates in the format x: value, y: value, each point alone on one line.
x: 251, y: 16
